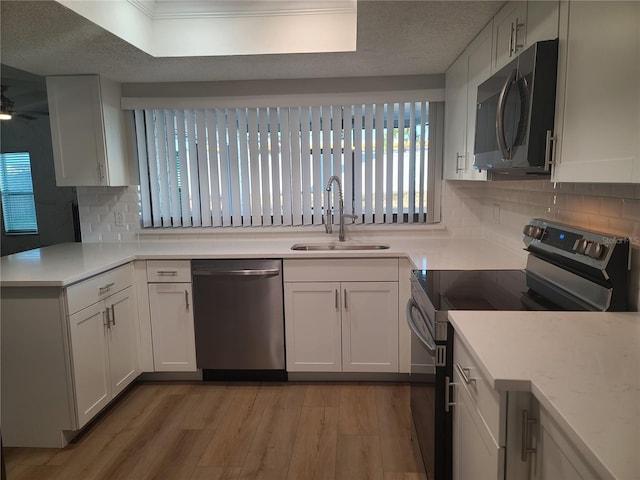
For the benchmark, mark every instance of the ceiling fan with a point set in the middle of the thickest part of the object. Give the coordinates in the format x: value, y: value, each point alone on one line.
x: 7, y: 110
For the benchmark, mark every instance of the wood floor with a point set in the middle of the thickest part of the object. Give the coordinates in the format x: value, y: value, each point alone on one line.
x: 213, y: 431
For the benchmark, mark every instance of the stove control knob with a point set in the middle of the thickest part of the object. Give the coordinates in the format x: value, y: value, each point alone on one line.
x: 528, y: 230
x: 581, y: 245
x: 537, y: 233
x: 595, y: 250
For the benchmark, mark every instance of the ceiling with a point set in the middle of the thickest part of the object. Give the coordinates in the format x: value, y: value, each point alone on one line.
x: 394, y: 38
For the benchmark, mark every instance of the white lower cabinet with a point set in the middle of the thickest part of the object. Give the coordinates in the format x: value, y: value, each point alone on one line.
x: 552, y: 454
x: 477, y: 450
x: 171, y: 311
x: 103, y: 346
x: 507, y: 435
x: 341, y: 326
x: 172, y: 327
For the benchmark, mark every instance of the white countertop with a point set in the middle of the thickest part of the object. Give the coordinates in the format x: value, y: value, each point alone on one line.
x: 582, y: 367
x: 67, y: 263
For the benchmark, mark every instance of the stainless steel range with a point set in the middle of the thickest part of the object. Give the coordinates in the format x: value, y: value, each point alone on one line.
x: 567, y: 269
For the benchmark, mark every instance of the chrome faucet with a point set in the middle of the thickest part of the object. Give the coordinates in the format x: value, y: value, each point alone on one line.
x: 329, y: 212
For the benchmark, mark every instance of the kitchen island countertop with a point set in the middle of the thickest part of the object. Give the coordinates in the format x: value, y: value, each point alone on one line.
x: 67, y: 263
x: 581, y: 366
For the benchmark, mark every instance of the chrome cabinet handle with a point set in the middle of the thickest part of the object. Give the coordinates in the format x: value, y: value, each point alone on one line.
x: 458, y: 157
x: 171, y: 273
x: 337, y: 300
x: 105, y: 318
x: 448, y: 385
x: 345, y: 299
x: 526, y: 448
x: 516, y: 45
x: 186, y: 299
x: 511, y: 49
x: 465, y: 374
x: 113, y: 315
x: 106, y: 287
x: 547, y: 150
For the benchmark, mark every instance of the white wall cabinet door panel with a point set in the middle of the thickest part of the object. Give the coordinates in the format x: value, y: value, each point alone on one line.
x: 542, y: 21
x: 313, y: 326
x: 87, y: 130
x: 598, y: 99
x: 122, y: 339
x: 172, y: 327
x: 370, y: 327
x: 90, y: 354
x: 455, y: 120
x: 509, y: 33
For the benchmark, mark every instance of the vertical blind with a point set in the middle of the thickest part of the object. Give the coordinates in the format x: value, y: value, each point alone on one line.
x: 270, y: 165
x: 16, y: 185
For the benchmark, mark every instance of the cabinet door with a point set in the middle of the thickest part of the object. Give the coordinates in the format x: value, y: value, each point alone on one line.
x: 556, y: 457
x: 370, y: 327
x: 542, y: 21
x: 455, y: 120
x: 509, y: 33
x: 121, y: 314
x: 479, y: 70
x: 598, y: 98
x: 75, y: 113
x: 313, y: 327
x: 90, y: 358
x: 475, y: 452
x: 172, y: 329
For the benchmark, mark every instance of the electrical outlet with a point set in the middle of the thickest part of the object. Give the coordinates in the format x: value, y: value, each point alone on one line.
x: 119, y: 218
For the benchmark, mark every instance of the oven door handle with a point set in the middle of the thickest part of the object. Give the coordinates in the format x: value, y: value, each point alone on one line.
x: 430, y: 345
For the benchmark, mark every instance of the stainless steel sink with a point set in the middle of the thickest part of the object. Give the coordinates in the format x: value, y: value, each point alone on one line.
x: 339, y: 246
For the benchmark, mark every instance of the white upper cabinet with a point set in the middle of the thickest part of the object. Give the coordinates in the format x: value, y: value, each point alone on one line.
x: 518, y: 25
x: 88, y: 131
x: 461, y: 93
x: 598, y: 99
x: 509, y: 33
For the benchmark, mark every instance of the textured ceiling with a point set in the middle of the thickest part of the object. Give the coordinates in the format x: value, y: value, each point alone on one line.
x: 394, y: 38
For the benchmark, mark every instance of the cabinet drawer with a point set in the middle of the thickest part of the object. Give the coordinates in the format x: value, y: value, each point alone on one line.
x: 341, y: 270
x: 96, y: 288
x: 481, y: 392
x: 169, y: 271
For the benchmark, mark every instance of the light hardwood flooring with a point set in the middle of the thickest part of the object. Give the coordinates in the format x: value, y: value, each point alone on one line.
x: 214, y: 431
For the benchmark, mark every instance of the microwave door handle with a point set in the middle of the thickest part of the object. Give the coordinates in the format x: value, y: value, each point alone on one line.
x: 430, y: 345
x: 502, y: 100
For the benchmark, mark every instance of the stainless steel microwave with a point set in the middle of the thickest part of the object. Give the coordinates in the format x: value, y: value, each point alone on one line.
x: 515, y: 114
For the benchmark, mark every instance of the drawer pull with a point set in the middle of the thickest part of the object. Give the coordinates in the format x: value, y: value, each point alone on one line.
x: 526, y: 435
x: 113, y: 315
x: 106, y: 287
x: 167, y: 273
x: 337, y: 301
x: 186, y: 299
x: 465, y: 374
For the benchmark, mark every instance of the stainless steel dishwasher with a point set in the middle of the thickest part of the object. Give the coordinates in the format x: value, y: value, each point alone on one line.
x: 239, y: 319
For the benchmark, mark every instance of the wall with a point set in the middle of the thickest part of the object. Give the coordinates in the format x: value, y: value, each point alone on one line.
x: 53, y: 203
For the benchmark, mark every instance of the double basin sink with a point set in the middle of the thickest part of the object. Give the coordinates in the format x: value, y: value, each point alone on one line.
x: 339, y: 246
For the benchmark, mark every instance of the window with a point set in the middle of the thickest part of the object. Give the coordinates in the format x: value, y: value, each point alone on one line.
x: 270, y: 166
x: 16, y: 186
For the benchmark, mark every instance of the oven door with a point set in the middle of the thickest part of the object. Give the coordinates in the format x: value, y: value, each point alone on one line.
x: 423, y: 388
